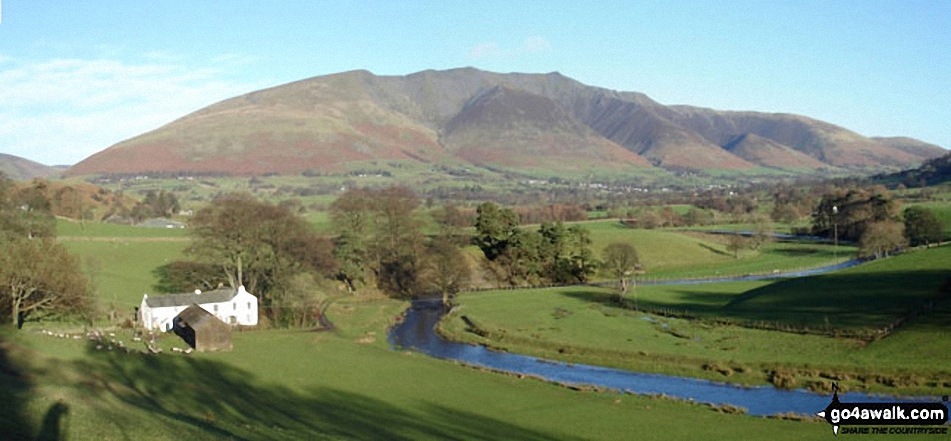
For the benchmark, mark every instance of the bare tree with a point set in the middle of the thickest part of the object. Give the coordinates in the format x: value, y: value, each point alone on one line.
x: 446, y: 271
x: 39, y: 278
x: 620, y: 260
x: 882, y: 238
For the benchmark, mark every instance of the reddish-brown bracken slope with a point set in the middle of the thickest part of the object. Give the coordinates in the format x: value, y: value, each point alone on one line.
x: 468, y: 116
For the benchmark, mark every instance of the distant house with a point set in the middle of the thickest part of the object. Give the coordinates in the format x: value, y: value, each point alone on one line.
x: 233, y: 307
x: 201, y: 330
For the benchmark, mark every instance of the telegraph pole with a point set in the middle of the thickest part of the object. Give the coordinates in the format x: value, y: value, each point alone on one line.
x: 835, y: 233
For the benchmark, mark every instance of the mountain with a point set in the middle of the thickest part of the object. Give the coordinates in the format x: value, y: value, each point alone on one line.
x: 21, y: 169
x: 511, y: 127
x: 912, y: 146
x: 934, y: 171
x: 769, y: 153
x: 468, y: 116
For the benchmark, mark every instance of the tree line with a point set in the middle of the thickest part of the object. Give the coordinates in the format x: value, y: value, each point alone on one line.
x: 871, y: 217
x: 379, y: 244
x: 38, y: 277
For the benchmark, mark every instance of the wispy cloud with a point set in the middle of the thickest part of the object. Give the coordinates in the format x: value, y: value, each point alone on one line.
x: 63, y: 110
x: 531, y: 44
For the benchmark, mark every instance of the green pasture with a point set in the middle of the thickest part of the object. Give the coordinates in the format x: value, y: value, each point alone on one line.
x: 121, y: 269
x: 673, y: 254
x: 585, y: 324
x: 778, y: 227
x: 349, y: 383
x: 940, y: 209
x: 287, y: 385
x: 71, y: 228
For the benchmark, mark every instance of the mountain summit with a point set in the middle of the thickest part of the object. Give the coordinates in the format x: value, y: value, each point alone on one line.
x: 469, y: 116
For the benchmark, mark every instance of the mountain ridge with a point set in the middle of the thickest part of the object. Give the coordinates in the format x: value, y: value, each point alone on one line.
x: 22, y: 169
x: 326, y: 122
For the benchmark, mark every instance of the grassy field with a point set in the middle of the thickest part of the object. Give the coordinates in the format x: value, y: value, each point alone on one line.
x: 342, y: 385
x: 349, y: 384
x: 585, y: 324
x: 940, y: 209
x: 121, y: 269
x: 674, y: 254
x: 66, y: 228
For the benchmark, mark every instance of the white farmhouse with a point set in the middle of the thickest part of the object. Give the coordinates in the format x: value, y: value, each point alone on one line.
x: 233, y: 307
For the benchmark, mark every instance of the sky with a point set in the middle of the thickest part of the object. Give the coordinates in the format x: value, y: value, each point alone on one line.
x: 77, y: 77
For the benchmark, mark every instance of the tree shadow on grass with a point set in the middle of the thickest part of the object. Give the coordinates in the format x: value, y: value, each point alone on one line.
x: 54, y: 422
x: 794, y: 252
x: 715, y: 250
x: 15, y: 390
x: 226, y: 402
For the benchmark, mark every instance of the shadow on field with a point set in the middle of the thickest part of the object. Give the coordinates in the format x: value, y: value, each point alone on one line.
x: 15, y: 389
x: 715, y: 250
x: 226, y: 402
x: 794, y: 252
x: 858, y: 300
x: 53, y: 422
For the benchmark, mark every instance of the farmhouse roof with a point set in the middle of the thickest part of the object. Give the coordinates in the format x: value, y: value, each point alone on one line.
x: 216, y: 296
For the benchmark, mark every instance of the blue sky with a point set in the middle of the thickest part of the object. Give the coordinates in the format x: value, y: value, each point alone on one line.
x: 76, y: 77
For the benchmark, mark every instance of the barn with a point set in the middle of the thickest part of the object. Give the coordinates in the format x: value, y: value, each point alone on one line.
x: 201, y: 330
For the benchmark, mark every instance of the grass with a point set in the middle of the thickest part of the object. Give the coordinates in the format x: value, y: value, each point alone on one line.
x: 942, y: 210
x: 585, y: 324
x: 778, y: 227
x: 66, y: 228
x: 348, y: 384
x: 673, y: 254
x: 121, y: 269
x: 326, y: 386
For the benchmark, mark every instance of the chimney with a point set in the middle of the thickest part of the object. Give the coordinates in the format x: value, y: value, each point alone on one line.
x: 197, y: 291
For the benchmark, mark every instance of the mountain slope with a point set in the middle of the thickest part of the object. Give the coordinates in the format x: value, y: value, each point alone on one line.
x: 769, y: 153
x: 826, y: 142
x: 912, y: 146
x: 511, y: 127
x: 933, y: 172
x: 21, y: 169
x: 466, y: 115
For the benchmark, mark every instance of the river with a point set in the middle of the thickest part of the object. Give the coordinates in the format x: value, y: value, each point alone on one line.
x: 417, y: 332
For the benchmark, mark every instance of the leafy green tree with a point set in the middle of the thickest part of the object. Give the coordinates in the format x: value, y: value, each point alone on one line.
x: 351, y: 216
x: 583, y: 262
x: 496, y: 229
x: 155, y: 204
x: 922, y: 226
x: 849, y: 212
